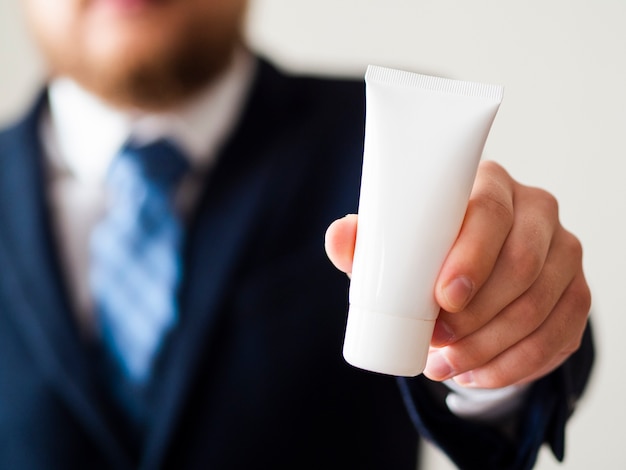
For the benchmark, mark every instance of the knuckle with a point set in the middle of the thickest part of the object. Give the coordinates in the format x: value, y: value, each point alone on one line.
x: 579, y: 316
x: 542, y: 200
x: 573, y: 346
x: 525, y: 261
x: 573, y: 247
x: 495, y: 170
x: 582, y: 300
x: 578, y: 298
x: 531, y: 313
x: 493, y: 191
x: 491, y: 202
x: 535, y: 354
x: 549, y: 202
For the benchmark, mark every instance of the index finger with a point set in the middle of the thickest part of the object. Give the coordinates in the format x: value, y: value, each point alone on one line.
x: 488, y: 221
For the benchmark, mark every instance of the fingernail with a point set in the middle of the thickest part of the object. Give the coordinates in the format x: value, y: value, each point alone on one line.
x: 442, y: 335
x: 437, y: 367
x: 458, y: 292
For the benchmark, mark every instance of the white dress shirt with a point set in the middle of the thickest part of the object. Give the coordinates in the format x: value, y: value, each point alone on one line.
x: 81, y: 135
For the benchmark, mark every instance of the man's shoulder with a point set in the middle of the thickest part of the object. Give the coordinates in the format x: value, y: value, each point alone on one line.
x: 8, y: 131
x: 319, y: 80
x: 313, y: 90
x: 23, y: 129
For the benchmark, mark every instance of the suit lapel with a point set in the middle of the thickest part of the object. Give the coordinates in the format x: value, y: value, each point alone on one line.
x: 34, y: 284
x: 218, y: 240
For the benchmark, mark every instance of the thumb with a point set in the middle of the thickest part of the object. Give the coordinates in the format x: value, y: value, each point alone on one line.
x: 339, y: 242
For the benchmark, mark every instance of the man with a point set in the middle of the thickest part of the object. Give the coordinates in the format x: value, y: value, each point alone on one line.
x: 248, y: 372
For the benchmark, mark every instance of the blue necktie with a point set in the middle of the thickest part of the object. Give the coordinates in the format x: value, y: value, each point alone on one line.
x: 135, y: 257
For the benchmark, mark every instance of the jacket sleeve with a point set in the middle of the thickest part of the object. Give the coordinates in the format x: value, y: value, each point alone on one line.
x: 472, y: 445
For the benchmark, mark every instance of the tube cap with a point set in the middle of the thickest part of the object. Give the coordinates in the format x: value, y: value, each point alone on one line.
x: 385, y: 343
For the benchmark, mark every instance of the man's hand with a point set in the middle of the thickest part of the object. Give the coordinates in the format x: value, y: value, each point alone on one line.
x: 513, y: 296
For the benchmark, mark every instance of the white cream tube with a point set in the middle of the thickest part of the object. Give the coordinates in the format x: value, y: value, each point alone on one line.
x: 424, y: 137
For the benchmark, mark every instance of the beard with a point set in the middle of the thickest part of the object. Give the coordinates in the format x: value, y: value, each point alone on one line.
x: 145, y: 74
x: 161, y: 81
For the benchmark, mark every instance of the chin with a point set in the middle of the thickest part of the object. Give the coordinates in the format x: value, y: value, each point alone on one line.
x: 143, y: 54
x: 150, y: 78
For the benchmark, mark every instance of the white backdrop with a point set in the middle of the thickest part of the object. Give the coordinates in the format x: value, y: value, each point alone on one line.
x: 562, y: 126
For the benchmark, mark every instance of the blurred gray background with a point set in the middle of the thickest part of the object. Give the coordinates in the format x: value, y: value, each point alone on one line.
x: 562, y: 126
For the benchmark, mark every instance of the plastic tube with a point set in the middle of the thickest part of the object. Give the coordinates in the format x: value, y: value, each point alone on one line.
x: 424, y: 137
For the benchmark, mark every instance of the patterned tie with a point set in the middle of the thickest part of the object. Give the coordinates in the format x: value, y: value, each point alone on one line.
x: 135, y: 257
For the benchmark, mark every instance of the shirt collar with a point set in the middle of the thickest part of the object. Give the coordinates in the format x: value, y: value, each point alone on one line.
x: 82, y: 133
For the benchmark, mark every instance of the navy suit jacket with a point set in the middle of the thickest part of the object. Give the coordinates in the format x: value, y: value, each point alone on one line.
x: 253, y: 375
